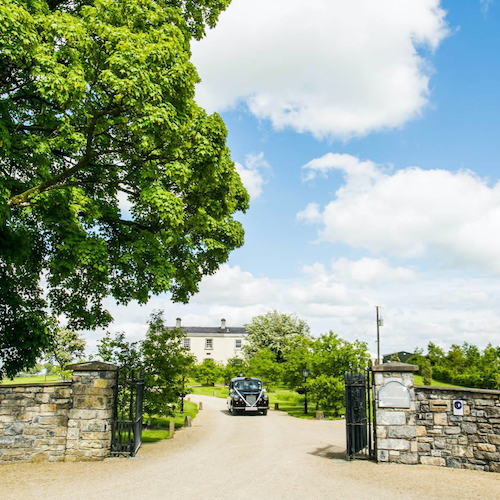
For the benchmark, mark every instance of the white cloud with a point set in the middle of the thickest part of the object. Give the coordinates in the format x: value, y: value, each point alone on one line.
x: 443, y: 308
x: 231, y: 286
x: 453, y: 218
x: 333, y: 68
x: 372, y: 271
x: 251, y: 174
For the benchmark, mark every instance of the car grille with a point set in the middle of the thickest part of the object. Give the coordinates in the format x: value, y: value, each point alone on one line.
x: 251, y: 398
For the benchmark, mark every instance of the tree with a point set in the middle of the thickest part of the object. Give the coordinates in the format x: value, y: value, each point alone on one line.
x: 120, y: 352
x: 207, y: 372
x: 113, y: 182
x: 67, y: 346
x: 427, y: 373
x: 233, y: 368
x: 297, y: 357
x: 263, y: 365
x: 275, y: 331
x: 165, y: 360
x: 331, y: 358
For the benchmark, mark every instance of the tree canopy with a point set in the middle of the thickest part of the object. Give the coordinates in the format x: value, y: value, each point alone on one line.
x: 113, y: 182
x: 275, y: 331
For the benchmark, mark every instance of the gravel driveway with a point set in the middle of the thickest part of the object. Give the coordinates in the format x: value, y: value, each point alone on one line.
x: 241, y: 457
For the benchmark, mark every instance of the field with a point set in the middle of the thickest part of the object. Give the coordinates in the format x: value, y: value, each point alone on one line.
x: 35, y: 379
x: 156, y: 428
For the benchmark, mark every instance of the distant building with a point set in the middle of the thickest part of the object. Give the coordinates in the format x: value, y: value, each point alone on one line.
x: 403, y: 356
x: 214, y: 342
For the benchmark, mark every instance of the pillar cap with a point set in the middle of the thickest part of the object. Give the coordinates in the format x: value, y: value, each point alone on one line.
x: 395, y: 366
x: 92, y: 366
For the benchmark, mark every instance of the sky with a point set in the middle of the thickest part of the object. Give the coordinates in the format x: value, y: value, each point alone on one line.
x: 367, y: 134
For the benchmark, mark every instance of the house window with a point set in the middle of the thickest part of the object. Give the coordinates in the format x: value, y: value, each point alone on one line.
x: 187, y: 343
x: 237, y: 344
x: 209, y: 343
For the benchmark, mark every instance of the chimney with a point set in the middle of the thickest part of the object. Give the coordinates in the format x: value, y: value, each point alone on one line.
x: 223, y: 324
x: 178, y: 323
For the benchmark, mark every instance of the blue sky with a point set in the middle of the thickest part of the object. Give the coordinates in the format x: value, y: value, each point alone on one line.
x: 367, y: 134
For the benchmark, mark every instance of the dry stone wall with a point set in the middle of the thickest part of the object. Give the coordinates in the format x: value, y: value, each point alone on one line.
x: 468, y: 441
x: 33, y: 422
x: 427, y: 430
x: 63, y: 421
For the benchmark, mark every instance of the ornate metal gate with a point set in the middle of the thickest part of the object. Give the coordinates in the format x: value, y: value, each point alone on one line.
x: 358, y: 414
x: 127, y: 412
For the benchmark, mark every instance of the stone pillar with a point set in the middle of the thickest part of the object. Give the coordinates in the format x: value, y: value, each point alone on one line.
x: 395, y: 413
x: 89, y: 424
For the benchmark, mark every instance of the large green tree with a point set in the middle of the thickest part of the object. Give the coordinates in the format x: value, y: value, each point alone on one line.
x: 112, y: 180
x: 275, y: 331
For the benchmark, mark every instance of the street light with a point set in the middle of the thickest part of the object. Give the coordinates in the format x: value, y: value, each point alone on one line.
x: 305, y: 374
x: 182, y: 395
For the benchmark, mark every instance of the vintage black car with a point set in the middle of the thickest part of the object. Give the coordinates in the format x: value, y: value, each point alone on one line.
x: 247, y: 394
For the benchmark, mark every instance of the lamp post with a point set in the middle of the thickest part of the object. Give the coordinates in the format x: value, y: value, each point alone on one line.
x: 182, y: 395
x: 305, y: 374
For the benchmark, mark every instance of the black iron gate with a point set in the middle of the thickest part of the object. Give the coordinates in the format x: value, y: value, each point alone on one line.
x: 127, y: 412
x: 358, y: 414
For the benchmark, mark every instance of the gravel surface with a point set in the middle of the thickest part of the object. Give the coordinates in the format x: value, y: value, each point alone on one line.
x: 241, y: 457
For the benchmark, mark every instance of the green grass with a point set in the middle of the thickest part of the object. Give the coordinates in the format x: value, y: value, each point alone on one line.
x: 158, y: 428
x: 35, y: 379
x: 221, y: 392
x: 419, y: 381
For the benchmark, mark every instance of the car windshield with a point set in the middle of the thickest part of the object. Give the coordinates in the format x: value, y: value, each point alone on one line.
x: 247, y: 385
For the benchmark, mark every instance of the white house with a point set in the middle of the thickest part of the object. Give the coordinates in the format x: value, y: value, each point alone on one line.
x: 218, y: 343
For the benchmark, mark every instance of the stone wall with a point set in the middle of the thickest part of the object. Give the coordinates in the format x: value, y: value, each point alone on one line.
x: 59, y: 421
x: 426, y: 430
x: 33, y: 421
x: 471, y: 441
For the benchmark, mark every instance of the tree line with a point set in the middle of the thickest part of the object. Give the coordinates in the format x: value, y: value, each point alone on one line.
x: 464, y: 365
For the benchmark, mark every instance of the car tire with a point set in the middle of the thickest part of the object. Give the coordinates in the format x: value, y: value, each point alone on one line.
x: 264, y: 412
x: 233, y: 409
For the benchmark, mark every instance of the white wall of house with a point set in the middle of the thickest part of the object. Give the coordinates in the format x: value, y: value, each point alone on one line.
x: 217, y: 346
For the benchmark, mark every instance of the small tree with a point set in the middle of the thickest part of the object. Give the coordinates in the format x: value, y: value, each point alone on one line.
x: 331, y: 358
x: 296, y: 358
x: 165, y: 360
x: 233, y: 368
x: 120, y: 352
x: 67, y: 346
x: 427, y: 372
x: 207, y: 373
x: 395, y: 357
x: 264, y: 366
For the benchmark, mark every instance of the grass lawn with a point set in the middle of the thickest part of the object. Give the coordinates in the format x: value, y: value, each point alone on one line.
x: 221, y: 392
x: 292, y: 403
x: 35, y: 379
x: 158, y: 428
x: 435, y: 383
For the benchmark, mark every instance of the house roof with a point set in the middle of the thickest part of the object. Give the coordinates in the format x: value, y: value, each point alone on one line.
x: 209, y: 330
x: 220, y: 330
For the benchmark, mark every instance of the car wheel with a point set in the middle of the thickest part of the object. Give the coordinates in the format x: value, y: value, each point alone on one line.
x: 264, y: 412
x: 233, y: 409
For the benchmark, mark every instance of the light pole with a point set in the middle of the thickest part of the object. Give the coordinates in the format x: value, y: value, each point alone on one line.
x: 305, y: 374
x: 182, y: 395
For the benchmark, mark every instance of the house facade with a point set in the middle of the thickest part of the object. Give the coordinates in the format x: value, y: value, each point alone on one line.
x: 219, y: 343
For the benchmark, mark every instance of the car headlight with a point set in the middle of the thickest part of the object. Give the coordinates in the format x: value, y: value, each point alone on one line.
x: 236, y: 398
